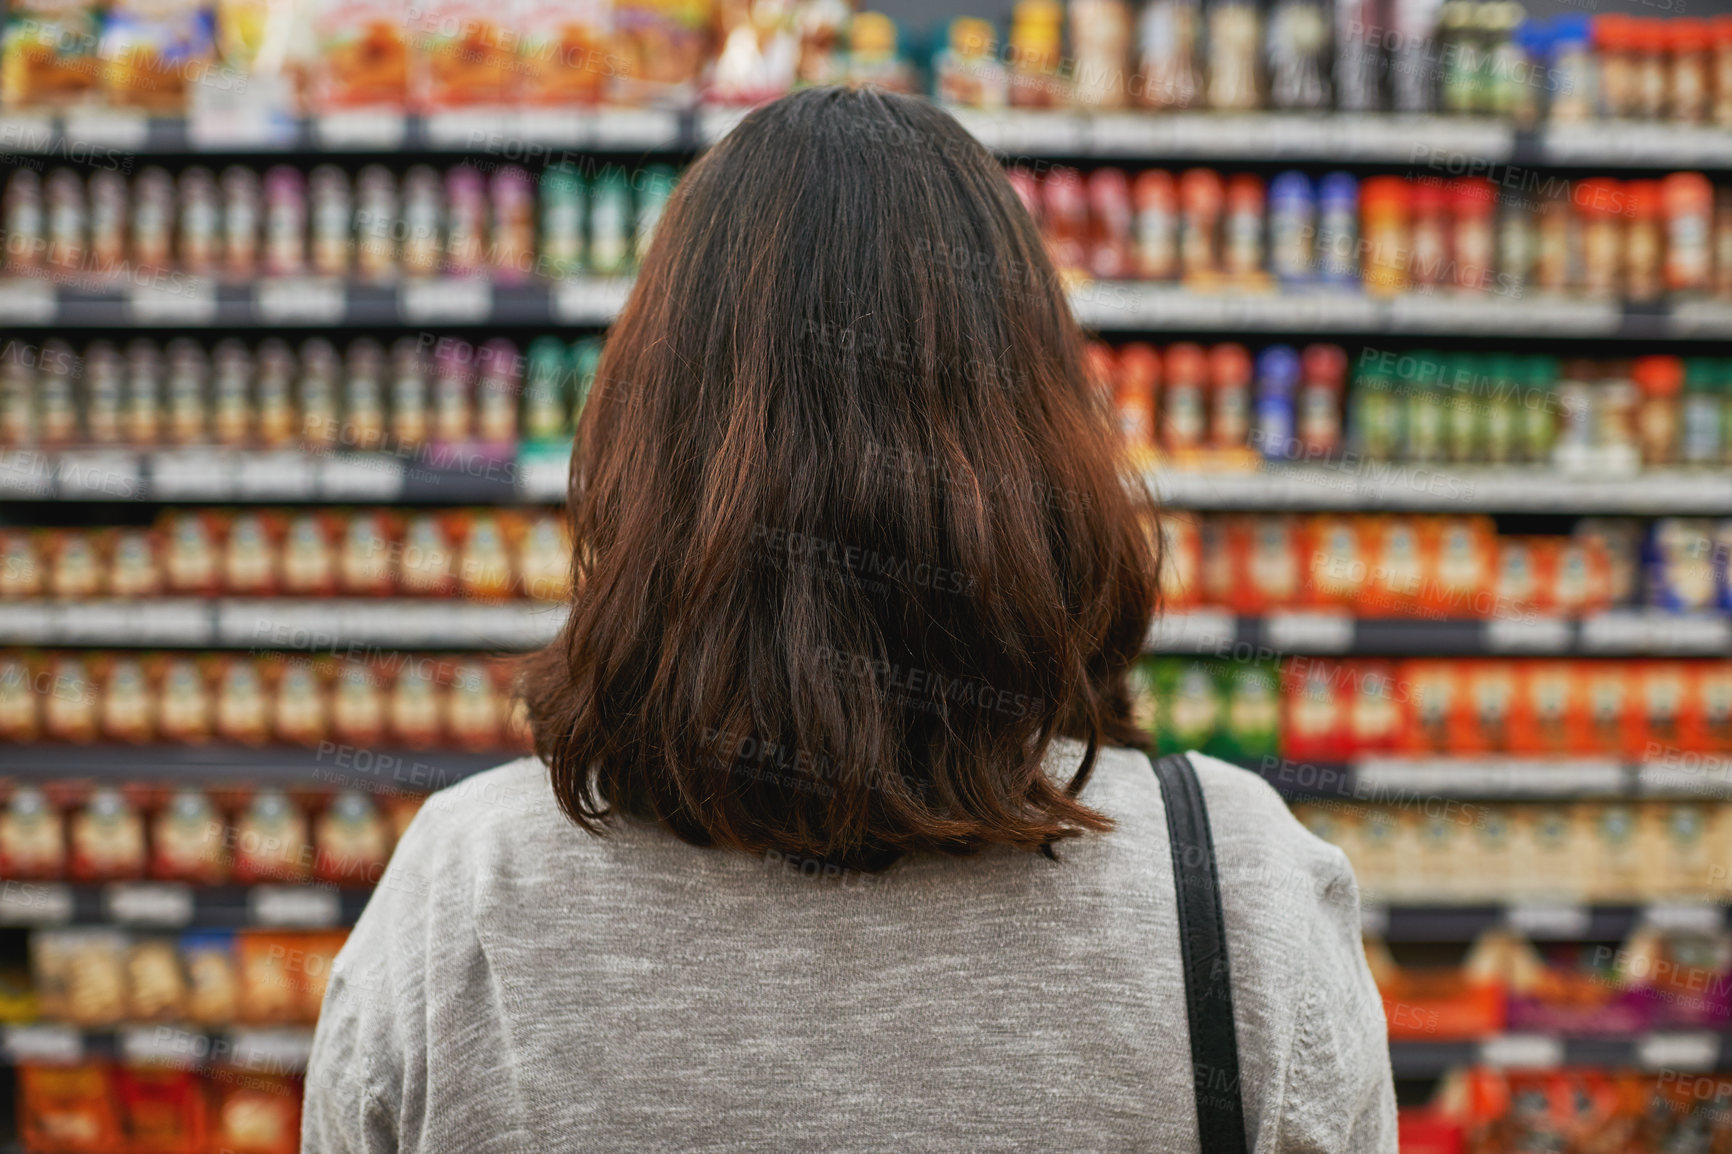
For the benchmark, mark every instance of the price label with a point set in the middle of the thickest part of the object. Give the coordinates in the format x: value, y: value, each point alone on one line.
x: 1523, y: 1051
x: 381, y: 128
x: 27, y: 300
x: 1549, y: 921
x: 1693, y: 1050
x: 273, y: 1051
x: 278, y: 476
x: 478, y: 128
x: 1527, y: 635
x: 556, y: 126
x: 637, y: 128
x: 115, y: 128
x: 35, y: 904
x: 1198, y: 631
x: 26, y: 473
x: 590, y: 300
x: 542, y: 477
x: 1657, y: 632
x: 99, y: 474
x: 360, y: 477
x: 192, y: 473
x: 303, y: 906
x: 1685, y: 917
x: 27, y: 622
x: 1309, y: 632
x: 300, y: 300
x: 453, y: 299
x: 183, y: 302
x: 56, y: 1045
x: 149, y: 904
x: 26, y: 132
x: 160, y: 1045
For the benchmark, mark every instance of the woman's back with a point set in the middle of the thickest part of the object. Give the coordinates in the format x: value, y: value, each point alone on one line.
x: 519, y: 984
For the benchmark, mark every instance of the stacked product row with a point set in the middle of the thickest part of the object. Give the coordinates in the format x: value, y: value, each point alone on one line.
x: 96, y: 1108
x: 427, y: 392
x: 405, y: 700
x: 1189, y: 402
x: 1639, y: 239
x: 480, y: 554
x: 377, y: 228
x: 1315, y: 710
x: 66, y: 830
x: 1440, y: 567
x: 1428, y: 849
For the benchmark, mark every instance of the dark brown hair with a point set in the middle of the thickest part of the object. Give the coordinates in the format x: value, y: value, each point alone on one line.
x: 854, y: 538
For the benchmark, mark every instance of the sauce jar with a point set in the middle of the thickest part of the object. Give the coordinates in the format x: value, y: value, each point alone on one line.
x: 1200, y: 202
x: 1702, y: 438
x: 1109, y: 201
x: 1692, y: 70
x: 1539, y: 408
x: 1644, y: 241
x: 1323, y: 378
x: 1377, y: 410
x: 1613, y: 42
x: 1429, y: 266
x: 1600, y: 207
x: 1242, y: 236
x: 1384, y: 216
x: 1277, y: 380
x: 1230, y: 401
x: 1156, y: 224
x: 1661, y: 380
x: 1475, y: 203
x: 1184, y: 420
x: 1689, y: 208
x: 1427, y: 410
x: 1292, y: 228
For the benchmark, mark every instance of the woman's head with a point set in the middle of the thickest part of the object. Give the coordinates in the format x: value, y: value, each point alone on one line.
x: 853, y: 541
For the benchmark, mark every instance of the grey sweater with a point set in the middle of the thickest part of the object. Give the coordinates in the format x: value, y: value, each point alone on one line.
x: 517, y: 984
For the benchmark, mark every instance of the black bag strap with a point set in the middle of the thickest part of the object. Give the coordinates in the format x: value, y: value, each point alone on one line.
x: 1203, y: 946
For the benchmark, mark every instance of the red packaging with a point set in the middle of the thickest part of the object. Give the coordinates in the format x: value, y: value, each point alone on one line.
x: 22, y: 573
x: 69, y: 703
x: 1268, y: 563
x: 1242, y: 231
x: 475, y: 708
x: 300, y: 713
x: 351, y: 841
x: 32, y: 836
x: 106, y: 838
x: 1580, y: 569
x: 1137, y: 395
x: 258, y: 1115
x: 1109, y: 196
x: 1608, y: 714
x: 1181, y: 561
x: 186, y: 707
x: 1184, y: 420
x: 358, y: 704
x: 271, y: 840
x: 187, y: 839
x: 1547, y: 706
x: 484, y: 556
x: 1464, y: 555
x: 243, y: 701
x: 1066, y: 217
x: 163, y: 1109
x: 1473, y: 248
x: 19, y: 722
x: 1201, y: 199
x: 76, y: 565
x: 1432, y: 693
x: 1664, y: 707
x: 1374, y: 707
x: 68, y: 1110
x: 1230, y: 396
x: 1398, y: 563
x: 133, y: 567
x: 416, y: 706
x: 1486, y: 707
x: 1711, y: 711
x: 1157, y: 223
x: 1523, y: 579
x: 1218, y: 574
x: 273, y: 980
x: 1315, y: 705
x: 1339, y: 547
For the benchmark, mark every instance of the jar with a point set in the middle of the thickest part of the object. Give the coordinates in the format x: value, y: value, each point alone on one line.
x: 1517, y: 245
x: 1429, y: 266
x: 1277, y: 380
x: 1702, y: 439
x: 1377, y: 425
x: 1556, y: 245
x: 1571, y: 82
x: 1242, y: 236
x: 1459, y: 49
x: 1720, y: 34
x: 1689, y: 91
x: 1200, y: 202
x: 1139, y: 389
x: 1036, y: 52
x: 1721, y: 242
x: 1689, y: 207
x: 1502, y: 408
x: 1065, y: 220
x: 1578, y: 416
x: 1617, y: 60
x: 1109, y: 203
x: 1384, y: 209
x: 1464, y: 382
x: 1230, y: 396
x: 1600, y: 206
x: 1651, y: 43
x: 1292, y: 227
x: 1424, y: 423
x: 1100, y: 36
x: 1539, y: 408
x: 1644, y: 240
x: 1298, y: 55
x: 1503, y: 68
x: 1168, y: 35
x: 1235, y: 40
x: 1156, y: 222
x: 1618, y: 402
x: 1338, y: 229
x: 1184, y: 420
x: 1323, y: 378
x: 1475, y: 203
x: 1660, y: 380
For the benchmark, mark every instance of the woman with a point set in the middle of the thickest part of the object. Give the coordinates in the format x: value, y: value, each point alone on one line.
x: 838, y: 836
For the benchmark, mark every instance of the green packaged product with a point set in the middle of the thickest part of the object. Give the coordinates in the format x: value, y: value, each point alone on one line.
x: 546, y: 405
x: 562, y: 220
x: 610, y: 222
x: 1703, y: 414
x: 1191, y: 705
x: 1502, y: 424
x: 1253, y: 721
x: 655, y: 186
x: 1145, y: 698
x: 1465, y: 379
x: 1377, y: 425
x: 1539, y: 408
x: 1426, y: 410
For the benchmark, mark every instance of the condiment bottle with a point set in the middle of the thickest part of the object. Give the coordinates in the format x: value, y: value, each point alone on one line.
x: 1384, y: 211
x: 1619, y: 92
x: 1169, y: 34
x: 1578, y: 416
x: 1292, y: 228
x: 1464, y: 384
x: 1689, y: 206
x: 1242, y: 234
x: 1660, y: 380
x: 1702, y: 440
x: 1650, y: 42
x: 1157, y: 223
x: 1572, y: 73
x: 1200, y: 202
x: 1644, y: 241
x: 1517, y: 245
x: 1296, y: 53
x: 1137, y: 396
x: 1234, y: 42
x: 1692, y: 69
x: 1502, y: 407
x: 1475, y: 204
x: 241, y: 214
x: 1066, y: 216
x: 201, y: 239
x: 1036, y: 49
x: 1720, y: 32
x: 285, y: 223
x: 1109, y: 202
x: 1377, y: 427
x: 1429, y: 267
x: 1721, y: 243
x: 1183, y: 415
x: 376, y: 223
x: 513, y: 225
x: 1426, y: 410
x: 1323, y: 377
x: 333, y: 221
x: 1337, y: 229
x: 1277, y: 379
x: 1539, y: 408
x: 1100, y: 36
x: 1619, y: 401
x: 1600, y: 205
x: 1230, y: 396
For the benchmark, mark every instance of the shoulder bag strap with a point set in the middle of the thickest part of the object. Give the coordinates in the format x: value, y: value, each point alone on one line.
x: 1203, y: 944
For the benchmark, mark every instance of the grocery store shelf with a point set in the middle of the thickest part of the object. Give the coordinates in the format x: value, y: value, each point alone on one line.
x: 1537, y: 921
x: 1618, y: 631
x: 175, y: 905
x: 1416, y: 779
x: 539, y: 135
x: 333, y: 625
x: 1353, y: 483
x: 1660, y: 1050
x: 329, y: 765
x: 264, y: 1050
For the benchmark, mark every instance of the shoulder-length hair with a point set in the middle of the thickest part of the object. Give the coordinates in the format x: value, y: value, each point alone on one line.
x: 854, y: 540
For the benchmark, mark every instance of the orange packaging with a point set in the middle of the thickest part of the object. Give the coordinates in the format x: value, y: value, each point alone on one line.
x: 243, y: 700
x: 164, y: 1110
x: 186, y: 839
x: 1486, y: 707
x: 1374, y: 706
x: 186, y: 707
x: 1546, y: 707
x: 1607, y: 703
x: 1268, y: 563
x: 1315, y: 704
x: 76, y: 565
x: 106, y: 838
x: 1399, y: 562
x: 358, y: 704
x: 351, y: 840
x: 563, y: 44
x: 257, y: 1114
x: 1581, y: 574
x: 363, y: 55
x: 484, y: 554
x: 21, y: 570
x: 1338, y: 550
x: 1521, y: 581
x: 1180, y: 560
x: 1664, y: 712
x: 271, y: 841
x: 68, y: 1109
x: 299, y: 706
x: 309, y: 554
x: 366, y: 558
x: 69, y: 700
x: 271, y: 991
x: 1463, y: 552
x: 132, y: 569
x: 428, y: 564
x: 32, y: 835
x: 475, y: 708
x: 1431, y: 691
x: 1217, y: 578
x: 1709, y: 720
x: 543, y: 557
x: 249, y: 556
x: 190, y: 546
x: 1137, y: 395
x: 416, y: 706
x: 18, y: 701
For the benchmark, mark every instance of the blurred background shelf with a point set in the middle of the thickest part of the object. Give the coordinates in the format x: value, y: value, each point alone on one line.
x: 1617, y: 631
x: 329, y: 765
x: 259, y: 1050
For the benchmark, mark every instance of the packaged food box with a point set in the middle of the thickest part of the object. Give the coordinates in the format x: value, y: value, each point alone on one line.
x: 212, y: 981
x: 106, y: 836
x: 1316, y: 701
x: 68, y: 1109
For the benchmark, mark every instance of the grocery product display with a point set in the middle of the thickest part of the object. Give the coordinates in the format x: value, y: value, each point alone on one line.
x: 103, y: 1108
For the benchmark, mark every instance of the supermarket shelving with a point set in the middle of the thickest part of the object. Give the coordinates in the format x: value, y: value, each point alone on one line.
x: 1414, y: 779
x: 258, y: 1050
x: 174, y: 905
x: 531, y: 135
x: 331, y: 764
x: 163, y: 298
x: 297, y: 623
x: 1674, y: 1050
x: 1537, y: 921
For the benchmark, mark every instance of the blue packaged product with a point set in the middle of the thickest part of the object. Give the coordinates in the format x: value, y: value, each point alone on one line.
x: 1292, y: 228
x: 1338, y: 229
x: 1277, y: 378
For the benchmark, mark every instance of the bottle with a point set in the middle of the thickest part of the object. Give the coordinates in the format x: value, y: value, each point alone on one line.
x: 1539, y: 408
x: 1109, y: 201
x: 1338, y: 229
x: 561, y: 220
x: 1184, y: 422
x: 610, y: 220
x: 1378, y: 432
x: 1100, y: 36
x: 1473, y: 245
x: 1688, y: 94
x: 1323, y: 377
x: 285, y: 223
x: 1292, y: 228
x: 1661, y: 380
x: 1720, y: 33
x: 1235, y: 38
x: 1430, y: 267
x: 1230, y: 407
x: 1618, y: 87
x: 1570, y: 81
x: 1689, y: 209
x: 1650, y: 43
x: 465, y: 222
x: 376, y: 224
x: 1384, y: 203
x: 1200, y: 203
x: 1277, y: 380
x: 1156, y: 225
x: 1502, y: 408
x: 1169, y: 34
x: 332, y: 215
x: 1600, y: 206
x: 512, y: 225
x: 1359, y: 33
x: 1426, y: 410
x: 201, y: 239
x: 1242, y: 232
x: 1464, y: 384
x: 1702, y: 437
x: 1460, y: 50
x: 1413, y: 72
x: 1517, y: 246
x: 1644, y: 240
x: 1036, y: 51
x: 1297, y: 55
